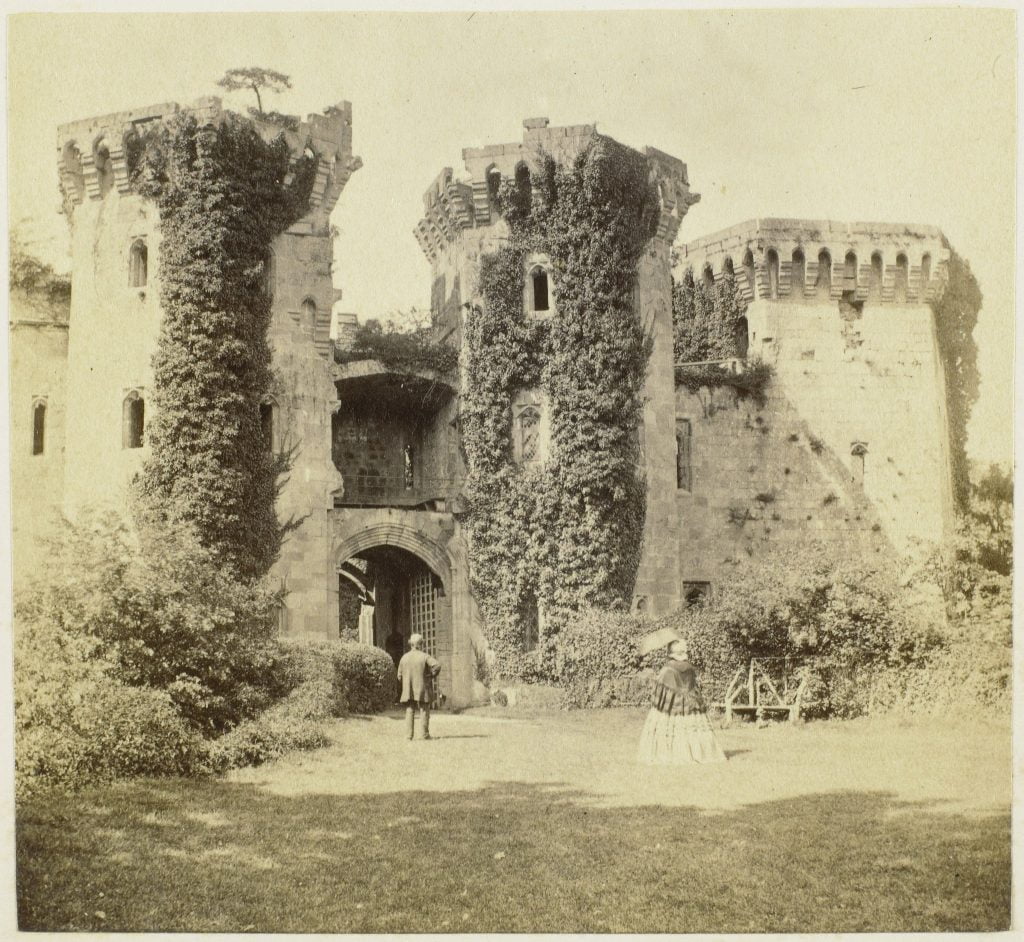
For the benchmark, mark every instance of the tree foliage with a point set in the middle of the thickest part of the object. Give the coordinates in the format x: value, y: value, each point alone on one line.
x: 254, y: 78
x: 157, y: 608
x: 223, y: 197
x: 36, y: 278
x: 399, y: 348
x: 566, y: 534
x: 705, y: 320
x: 956, y: 315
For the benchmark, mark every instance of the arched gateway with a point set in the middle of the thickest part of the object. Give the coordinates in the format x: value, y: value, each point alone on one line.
x: 401, y: 575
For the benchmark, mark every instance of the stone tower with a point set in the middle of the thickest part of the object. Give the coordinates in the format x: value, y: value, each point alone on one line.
x: 461, y: 224
x: 852, y: 445
x: 115, y: 321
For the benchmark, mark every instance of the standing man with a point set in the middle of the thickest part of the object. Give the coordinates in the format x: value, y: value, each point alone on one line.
x: 416, y: 673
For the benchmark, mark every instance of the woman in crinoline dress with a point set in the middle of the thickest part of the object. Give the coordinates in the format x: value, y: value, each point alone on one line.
x: 677, y: 731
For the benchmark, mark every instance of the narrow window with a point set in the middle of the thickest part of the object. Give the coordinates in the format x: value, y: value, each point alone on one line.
x: 524, y: 189
x: 850, y: 272
x: 684, y: 469
x: 269, y: 274
x: 493, y: 182
x: 926, y: 274
x: 101, y: 161
x: 773, y: 274
x: 823, y: 286
x: 748, y: 271
x: 901, y: 279
x: 528, y: 434
x: 695, y: 592
x: 741, y: 337
x: 409, y: 467
x: 133, y: 421
x: 858, y: 451
x: 797, y: 274
x: 38, y: 428
x: 540, y: 290
x: 533, y: 623
x: 727, y: 267
x: 709, y: 278
x: 267, y: 425
x: 309, y: 313
x: 138, y: 264
x: 875, y: 285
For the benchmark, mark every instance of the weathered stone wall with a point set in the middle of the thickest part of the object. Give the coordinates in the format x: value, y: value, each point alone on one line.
x: 657, y: 584
x: 38, y: 361
x: 760, y: 484
x: 304, y: 396
x: 113, y: 333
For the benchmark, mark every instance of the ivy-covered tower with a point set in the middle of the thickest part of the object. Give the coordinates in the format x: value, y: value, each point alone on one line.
x: 121, y: 242
x: 551, y: 272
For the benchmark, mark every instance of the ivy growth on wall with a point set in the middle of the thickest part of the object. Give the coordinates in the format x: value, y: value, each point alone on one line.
x: 956, y: 314
x: 566, y: 533
x: 223, y: 194
x: 705, y: 320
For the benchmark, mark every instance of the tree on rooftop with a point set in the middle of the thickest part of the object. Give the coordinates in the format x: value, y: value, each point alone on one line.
x: 255, y: 78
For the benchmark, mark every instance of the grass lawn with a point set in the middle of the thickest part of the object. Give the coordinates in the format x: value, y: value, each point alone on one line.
x: 543, y: 825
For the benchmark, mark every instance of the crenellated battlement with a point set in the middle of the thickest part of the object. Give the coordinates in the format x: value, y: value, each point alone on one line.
x: 93, y: 159
x: 451, y: 205
x: 806, y: 260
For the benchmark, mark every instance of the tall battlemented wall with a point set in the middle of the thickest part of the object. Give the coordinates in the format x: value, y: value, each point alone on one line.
x: 841, y: 312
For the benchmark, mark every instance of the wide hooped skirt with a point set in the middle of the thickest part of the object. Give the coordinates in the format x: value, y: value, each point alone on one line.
x: 677, y: 740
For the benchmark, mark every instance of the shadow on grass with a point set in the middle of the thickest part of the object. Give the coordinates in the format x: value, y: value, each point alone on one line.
x: 173, y: 855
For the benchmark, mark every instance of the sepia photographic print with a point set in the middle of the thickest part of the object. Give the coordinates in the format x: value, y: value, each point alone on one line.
x: 481, y: 471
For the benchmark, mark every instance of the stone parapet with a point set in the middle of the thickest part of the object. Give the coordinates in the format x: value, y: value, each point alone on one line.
x: 92, y: 153
x: 881, y: 262
x: 452, y: 206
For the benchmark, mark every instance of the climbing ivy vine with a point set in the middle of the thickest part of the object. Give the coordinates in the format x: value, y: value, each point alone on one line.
x: 956, y: 314
x: 223, y: 195
x: 705, y: 320
x: 566, y: 533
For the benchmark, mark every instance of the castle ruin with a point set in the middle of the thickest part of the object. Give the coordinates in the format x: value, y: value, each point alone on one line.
x: 850, y: 444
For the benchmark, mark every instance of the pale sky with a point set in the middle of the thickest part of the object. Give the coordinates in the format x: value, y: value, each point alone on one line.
x: 867, y: 115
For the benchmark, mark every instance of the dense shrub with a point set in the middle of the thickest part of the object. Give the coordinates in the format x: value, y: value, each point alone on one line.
x: 361, y: 677
x: 75, y: 723
x: 291, y: 724
x: 414, y: 349
x: 705, y: 321
x: 165, y: 614
x: 841, y: 619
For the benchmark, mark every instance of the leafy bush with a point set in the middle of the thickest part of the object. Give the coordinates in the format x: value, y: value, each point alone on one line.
x: 361, y: 677
x: 163, y: 614
x: 293, y: 723
x: 399, y: 349
x: 751, y: 382
x: 845, y: 616
x: 75, y: 723
x: 37, y: 278
x: 705, y: 320
x: 593, y: 656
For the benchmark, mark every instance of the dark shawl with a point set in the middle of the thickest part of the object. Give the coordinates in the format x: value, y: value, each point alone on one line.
x: 677, y: 690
